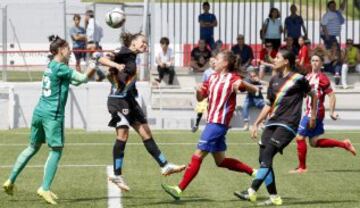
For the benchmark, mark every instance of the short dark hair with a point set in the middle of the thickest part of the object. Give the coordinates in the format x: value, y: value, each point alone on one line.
x: 56, y: 43
x: 206, y: 4
x: 329, y: 3
x: 90, y: 13
x: 164, y: 40
x: 272, y: 10
x: 77, y: 16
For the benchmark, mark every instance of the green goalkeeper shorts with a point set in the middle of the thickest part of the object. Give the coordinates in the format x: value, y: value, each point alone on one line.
x: 47, y: 130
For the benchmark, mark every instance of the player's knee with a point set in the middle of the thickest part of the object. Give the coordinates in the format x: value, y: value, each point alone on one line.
x: 313, y: 142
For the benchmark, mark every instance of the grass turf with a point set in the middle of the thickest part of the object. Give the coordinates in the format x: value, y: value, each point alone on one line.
x: 332, y: 180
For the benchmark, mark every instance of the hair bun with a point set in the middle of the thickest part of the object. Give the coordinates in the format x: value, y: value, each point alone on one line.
x: 53, y: 38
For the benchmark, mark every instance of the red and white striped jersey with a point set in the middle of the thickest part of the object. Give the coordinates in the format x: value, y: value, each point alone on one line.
x: 221, y: 96
x: 319, y: 83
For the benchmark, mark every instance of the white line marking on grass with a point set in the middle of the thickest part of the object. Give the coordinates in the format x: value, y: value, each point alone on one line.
x: 61, y: 166
x: 114, y: 193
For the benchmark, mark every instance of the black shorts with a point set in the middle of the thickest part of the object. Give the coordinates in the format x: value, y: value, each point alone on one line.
x: 125, y: 112
x: 79, y: 55
x: 278, y: 136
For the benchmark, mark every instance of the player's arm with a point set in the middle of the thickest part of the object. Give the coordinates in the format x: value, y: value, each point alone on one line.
x: 78, y: 78
x: 262, y: 116
x: 332, y: 104
x: 106, y: 61
x: 202, y: 91
x: 242, y: 85
x: 314, y: 101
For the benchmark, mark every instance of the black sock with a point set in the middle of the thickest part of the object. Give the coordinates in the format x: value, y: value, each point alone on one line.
x: 198, y: 119
x: 270, y: 183
x: 118, y: 156
x: 154, y: 151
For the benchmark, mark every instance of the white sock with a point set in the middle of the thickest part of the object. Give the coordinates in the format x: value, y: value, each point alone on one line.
x: 251, y: 191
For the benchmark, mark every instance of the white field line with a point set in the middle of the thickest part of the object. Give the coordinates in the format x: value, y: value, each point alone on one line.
x: 114, y: 193
x: 61, y: 166
x: 140, y: 144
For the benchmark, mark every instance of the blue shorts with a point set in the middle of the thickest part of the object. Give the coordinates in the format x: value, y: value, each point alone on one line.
x: 304, y: 130
x: 213, y: 138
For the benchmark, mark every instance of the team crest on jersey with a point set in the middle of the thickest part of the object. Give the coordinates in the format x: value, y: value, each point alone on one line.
x: 125, y: 111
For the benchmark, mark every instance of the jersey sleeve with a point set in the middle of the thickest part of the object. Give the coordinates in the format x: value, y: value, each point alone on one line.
x: 325, y: 85
x: 64, y: 72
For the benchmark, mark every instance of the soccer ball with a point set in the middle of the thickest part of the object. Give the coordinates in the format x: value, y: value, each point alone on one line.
x: 115, y: 18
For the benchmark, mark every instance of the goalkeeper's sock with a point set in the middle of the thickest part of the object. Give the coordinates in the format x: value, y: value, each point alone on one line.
x: 118, y: 156
x: 22, y: 160
x: 236, y: 165
x: 190, y: 172
x: 50, y: 168
x: 155, y: 152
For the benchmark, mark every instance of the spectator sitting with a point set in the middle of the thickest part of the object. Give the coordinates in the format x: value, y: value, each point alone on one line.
x: 252, y: 99
x: 244, y: 52
x: 331, y: 23
x: 351, y: 57
x: 200, y: 57
x: 303, y: 60
x: 290, y: 46
x: 78, y: 37
x: 218, y: 48
x: 165, y: 61
x: 207, y: 23
x: 293, y: 25
x: 334, y: 64
x: 271, y: 29
x: 267, y: 56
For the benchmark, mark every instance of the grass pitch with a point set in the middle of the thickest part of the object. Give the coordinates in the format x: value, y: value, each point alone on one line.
x: 332, y: 181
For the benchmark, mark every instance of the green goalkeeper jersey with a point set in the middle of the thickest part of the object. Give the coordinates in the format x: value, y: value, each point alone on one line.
x: 55, y: 86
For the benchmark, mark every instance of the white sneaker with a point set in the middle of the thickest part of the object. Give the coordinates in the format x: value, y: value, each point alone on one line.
x: 170, y: 168
x: 119, y: 182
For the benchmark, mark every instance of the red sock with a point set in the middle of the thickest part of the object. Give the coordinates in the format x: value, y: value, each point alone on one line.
x: 236, y: 165
x: 324, y: 142
x: 301, y: 150
x: 190, y: 172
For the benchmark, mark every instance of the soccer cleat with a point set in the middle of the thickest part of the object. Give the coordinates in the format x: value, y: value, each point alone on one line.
x: 48, y: 196
x: 194, y: 129
x: 298, y: 171
x: 349, y: 147
x: 170, y: 168
x: 276, y: 200
x: 119, y: 182
x: 245, y: 195
x: 9, y: 187
x: 254, y: 173
x: 173, y: 191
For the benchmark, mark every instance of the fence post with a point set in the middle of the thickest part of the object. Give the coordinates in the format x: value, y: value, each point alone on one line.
x: 4, y: 43
x: 145, y: 31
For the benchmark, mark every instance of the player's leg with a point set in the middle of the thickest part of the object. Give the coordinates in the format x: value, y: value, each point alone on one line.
x: 190, y: 173
x: 245, y: 112
x: 37, y: 137
x: 121, y: 125
x: 331, y: 143
x: 54, y: 133
x: 166, y: 168
x: 232, y: 163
